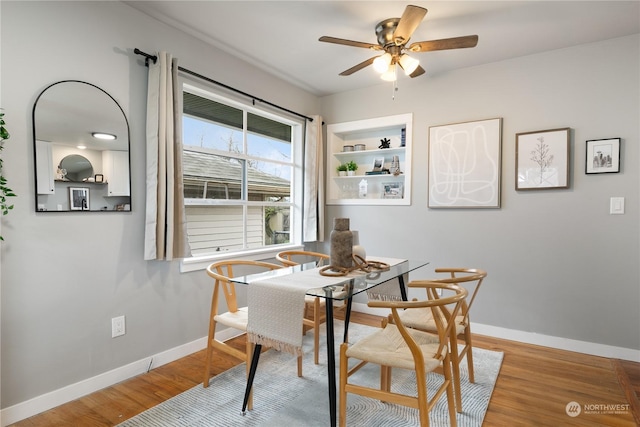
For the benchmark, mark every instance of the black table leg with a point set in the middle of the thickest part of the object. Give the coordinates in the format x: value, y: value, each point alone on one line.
x: 331, y: 361
x: 252, y: 373
x: 347, y: 315
x: 403, y: 290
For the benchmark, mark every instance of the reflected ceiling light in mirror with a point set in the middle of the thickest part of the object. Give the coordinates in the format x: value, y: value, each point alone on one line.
x: 102, y: 135
x: 82, y: 147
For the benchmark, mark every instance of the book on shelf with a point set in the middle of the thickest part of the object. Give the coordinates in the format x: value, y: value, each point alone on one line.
x: 380, y: 172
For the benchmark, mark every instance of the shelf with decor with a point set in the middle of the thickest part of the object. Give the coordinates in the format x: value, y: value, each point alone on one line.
x: 380, y: 149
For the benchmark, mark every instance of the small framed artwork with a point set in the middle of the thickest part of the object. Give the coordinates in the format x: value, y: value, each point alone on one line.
x: 542, y: 159
x: 603, y: 156
x: 79, y: 198
x: 99, y: 177
x: 378, y: 162
x: 392, y: 190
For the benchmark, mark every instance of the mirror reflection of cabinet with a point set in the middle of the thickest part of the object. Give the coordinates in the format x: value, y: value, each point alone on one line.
x: 67, y: 115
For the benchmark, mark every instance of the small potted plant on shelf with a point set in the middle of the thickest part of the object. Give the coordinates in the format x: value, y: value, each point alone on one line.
x: 342, y: 169
x: 352, y: 167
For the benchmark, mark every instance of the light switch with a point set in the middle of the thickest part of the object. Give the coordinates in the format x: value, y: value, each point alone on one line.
x: 616, y: 206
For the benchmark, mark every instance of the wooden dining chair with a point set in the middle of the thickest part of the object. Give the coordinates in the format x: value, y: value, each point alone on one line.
x: 469, y: 278
x: 235, y: 317
x: 398, y: 346
x: 314, y: 312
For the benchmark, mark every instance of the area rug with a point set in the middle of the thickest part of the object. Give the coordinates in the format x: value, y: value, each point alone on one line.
x: 281, y: 398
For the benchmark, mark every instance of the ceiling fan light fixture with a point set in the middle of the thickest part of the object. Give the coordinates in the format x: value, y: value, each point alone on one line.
x: 390, y: 74
x: 408, y: 64
x: 382, y: 62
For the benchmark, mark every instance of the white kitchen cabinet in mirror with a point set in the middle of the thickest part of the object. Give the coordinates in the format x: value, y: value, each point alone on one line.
x: 381, y: 149
x: 71, y: 119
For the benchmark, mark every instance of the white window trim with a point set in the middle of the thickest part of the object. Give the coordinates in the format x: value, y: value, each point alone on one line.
x: 197, y: 263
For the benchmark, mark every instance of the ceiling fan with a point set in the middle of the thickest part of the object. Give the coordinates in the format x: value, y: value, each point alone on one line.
x: 393, y: 35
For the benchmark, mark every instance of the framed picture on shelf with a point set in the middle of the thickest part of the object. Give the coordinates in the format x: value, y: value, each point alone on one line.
x: 465, y: 164
x: 392, y: 190
x: 78, y: 198
x: 542, y: 159
x: 378, y: 163
x: 603, y: 156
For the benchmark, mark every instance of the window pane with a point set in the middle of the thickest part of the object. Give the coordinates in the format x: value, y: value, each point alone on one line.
x: 214, y: 228
x: 209, y: 176
x: 267, y: 127
x: 209, y: 124
x: 268, y: 148
x: 276, y: 225
x: 269, y: 181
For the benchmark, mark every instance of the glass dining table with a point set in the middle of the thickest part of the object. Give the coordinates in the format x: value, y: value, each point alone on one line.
x: 339, y: 289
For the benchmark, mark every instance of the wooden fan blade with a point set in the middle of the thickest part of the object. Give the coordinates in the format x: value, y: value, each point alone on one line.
x: 443, y: 44
x: 411, y: 18
x: 417, y: 72
x: 358, y: 67
x: 345, y: 42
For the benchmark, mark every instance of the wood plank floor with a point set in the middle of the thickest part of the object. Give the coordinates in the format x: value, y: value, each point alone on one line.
x: 533, y: 389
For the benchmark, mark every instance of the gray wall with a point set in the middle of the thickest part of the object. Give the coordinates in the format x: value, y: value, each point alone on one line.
x: 558, y: 263
x: 64, y: 276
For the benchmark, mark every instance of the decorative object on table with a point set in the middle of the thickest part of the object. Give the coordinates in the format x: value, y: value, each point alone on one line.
x: 360, y: 147
x: 358, y: 250
x: 342, y: 169
x: 395, y: 166
x: 392, y: 190
x: 542, y: 159
x: 78, y: 198
x: 359, y: 264
x: 385, y: 143
x: 347, y: 148
x: 603, y: 156
x: 99, y: 177
x: 362, y: 189
x: 464, y: 164
x: 341, y: 244
x: 352, y: 167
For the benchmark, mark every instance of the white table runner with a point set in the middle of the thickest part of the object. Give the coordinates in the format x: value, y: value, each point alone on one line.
x: 276, y: 306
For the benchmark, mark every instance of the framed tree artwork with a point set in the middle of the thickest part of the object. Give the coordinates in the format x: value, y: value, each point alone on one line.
x: 542, y: 159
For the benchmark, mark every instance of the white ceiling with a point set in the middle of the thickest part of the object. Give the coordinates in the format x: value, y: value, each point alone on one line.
x: 281, y: 37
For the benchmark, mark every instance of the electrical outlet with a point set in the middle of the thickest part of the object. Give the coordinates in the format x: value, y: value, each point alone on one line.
x: 117, y: 326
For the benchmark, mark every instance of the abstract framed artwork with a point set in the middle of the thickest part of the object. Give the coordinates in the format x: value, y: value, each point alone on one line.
x: 603, y: 156
x: 542, y: 159
x: 464, y: 164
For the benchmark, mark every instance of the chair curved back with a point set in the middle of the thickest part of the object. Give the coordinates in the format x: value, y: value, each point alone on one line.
x: 443, y: 317
x: 464, y: 275
x: 222, y: 271
x: 296, y: 257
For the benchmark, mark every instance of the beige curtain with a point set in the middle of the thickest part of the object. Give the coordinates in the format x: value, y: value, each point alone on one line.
x: 313, y: 204
x: 165, y: 221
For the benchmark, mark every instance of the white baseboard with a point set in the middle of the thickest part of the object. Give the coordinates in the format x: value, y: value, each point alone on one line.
x: 584, y: 347
x: 71, y: 392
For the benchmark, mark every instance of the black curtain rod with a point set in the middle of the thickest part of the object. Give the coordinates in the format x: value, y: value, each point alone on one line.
x: 200, y: 76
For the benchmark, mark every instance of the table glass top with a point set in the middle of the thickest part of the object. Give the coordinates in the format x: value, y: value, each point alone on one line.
x: 337, y: 288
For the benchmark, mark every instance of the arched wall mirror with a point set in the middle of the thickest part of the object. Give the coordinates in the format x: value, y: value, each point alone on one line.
x: 81, y: 146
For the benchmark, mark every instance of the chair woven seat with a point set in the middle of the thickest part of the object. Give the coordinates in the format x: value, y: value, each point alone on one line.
x: 236, y: 320
x: 423, y: 320
x: 387, y: 347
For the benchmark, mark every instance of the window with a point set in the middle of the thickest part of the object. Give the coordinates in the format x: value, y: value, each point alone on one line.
x: 242, y: 176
